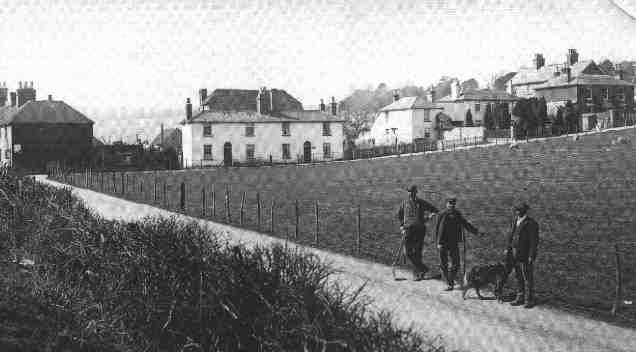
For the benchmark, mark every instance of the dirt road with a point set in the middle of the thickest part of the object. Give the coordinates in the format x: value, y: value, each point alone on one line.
x: 472, y: 324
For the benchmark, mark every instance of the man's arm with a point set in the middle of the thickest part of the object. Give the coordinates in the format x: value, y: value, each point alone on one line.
x: 428, y: 206
x: 468, y: 226
x: 400, y: 215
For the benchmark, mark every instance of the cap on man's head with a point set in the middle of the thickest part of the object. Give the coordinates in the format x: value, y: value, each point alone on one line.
x: 522, y: 207
x: 413, y: 188
x: 451, y: 200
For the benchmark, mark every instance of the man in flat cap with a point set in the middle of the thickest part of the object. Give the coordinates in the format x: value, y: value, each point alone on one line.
x: 413, y: 226
x: 449, y: 232
x: 522, y: 245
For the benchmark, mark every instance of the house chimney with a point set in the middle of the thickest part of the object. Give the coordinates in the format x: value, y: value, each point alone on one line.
x: 538, y: 61
x: 4, y: 92
x: 50, y: 97
x: 573, y: 57
x: 161, y: 145
x: 25, y: 92
x: 262, y: 102
x: 13, y: 98
x: 568, y: 71
x: 203, y: 94
x: 455, y: 90
x: 334, y: 106
x: 620, y: 74
x: 188, y: 110
x: 271, y: 100
x: 431, y: 94
x: 396, y: 95
x: 323, y: 108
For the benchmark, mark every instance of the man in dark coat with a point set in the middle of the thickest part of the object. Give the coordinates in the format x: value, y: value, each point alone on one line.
x: 448, y: 234
x: 522, y: 245
x: 413, y: 226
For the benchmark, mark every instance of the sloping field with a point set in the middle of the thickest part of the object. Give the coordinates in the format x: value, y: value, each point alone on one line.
x: 581, y: 192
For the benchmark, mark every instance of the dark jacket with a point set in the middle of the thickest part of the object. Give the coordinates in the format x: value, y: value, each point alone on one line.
x: 449, y: 227
x: 414, y: 214
x: 524, y: 239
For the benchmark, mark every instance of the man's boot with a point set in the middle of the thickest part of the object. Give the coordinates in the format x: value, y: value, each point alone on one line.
x: 451, y: 281
x: 529, y: 300
x: 519, y: 300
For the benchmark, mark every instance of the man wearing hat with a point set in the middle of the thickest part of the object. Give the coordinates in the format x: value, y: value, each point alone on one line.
x: 522, y: 245
x: 413, y: 227
x: 448, y: 234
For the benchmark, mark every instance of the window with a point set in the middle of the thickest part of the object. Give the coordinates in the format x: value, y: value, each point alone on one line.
x: 249, y: 130
x: 427, y: 116
x: 427, y: 132
x: 477, y: 107
x: 604, y: 93
x: 326, y: 129
x: 207, y: 130
x: 620, y: 93
x: 207, y: 152
x: 286, y: 152
x: 326, y: 150
x: 7, y: 154
x: 587, y: 93
x: 250, y: 152
x: 286, y: 131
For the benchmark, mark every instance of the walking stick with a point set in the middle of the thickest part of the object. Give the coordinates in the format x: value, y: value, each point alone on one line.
x: 398, y: 255
x: 464, y: 258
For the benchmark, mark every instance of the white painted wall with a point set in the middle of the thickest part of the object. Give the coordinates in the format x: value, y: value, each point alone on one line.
x: 5, y: 143
x: 267, y: 139
x: 422, y: 122
x: 400, y: 119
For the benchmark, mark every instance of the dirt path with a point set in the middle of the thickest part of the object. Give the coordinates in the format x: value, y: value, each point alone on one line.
x: 463, y: 325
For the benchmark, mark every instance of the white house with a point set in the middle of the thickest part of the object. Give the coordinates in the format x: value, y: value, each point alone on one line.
x: 406, y: 120
x: 241, y: 126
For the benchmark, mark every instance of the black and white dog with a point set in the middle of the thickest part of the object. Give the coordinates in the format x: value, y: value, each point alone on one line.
x: 480, y: 276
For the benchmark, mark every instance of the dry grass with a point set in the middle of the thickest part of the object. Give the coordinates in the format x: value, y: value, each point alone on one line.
x: 581, y: 192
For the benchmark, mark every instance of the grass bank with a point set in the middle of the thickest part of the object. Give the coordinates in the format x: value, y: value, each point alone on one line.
x: 163, y: 285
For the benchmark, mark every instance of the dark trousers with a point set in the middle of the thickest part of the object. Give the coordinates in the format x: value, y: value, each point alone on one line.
x: 414, y: 243
x: 444, y: 253
x: 525, y: 280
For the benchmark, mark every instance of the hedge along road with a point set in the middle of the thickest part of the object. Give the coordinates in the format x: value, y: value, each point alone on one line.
x: 471, y: 324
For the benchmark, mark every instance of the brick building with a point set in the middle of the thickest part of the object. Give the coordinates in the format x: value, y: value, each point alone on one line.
x: 34, y: 134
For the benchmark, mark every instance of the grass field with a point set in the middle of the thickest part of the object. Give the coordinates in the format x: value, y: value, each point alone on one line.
x: 581, y: 192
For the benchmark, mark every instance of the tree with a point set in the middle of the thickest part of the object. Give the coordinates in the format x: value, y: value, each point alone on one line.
x: 469, y: 119
x: 571, y: 116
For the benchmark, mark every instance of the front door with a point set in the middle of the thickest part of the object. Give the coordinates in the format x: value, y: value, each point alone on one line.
x: 307, y: 152
x: 227, y: 154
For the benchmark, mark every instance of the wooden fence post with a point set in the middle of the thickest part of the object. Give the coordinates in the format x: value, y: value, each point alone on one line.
x: 182, y: 198
x: 165, y: 194
x: 358, y: 233
x: 242, y: 208
x: 203, y: 201
x: 258, y: 210
x: 619, y: 281
x: 155, y: 194
x: 114, y: 183
x: 228, y: 217
x: 123, y: 182
x: 141, y: 187
x: 271, y: 215
x: 297, y: 215
x: 317, y: 222
x: 101, y: 183
x: 213, y: 202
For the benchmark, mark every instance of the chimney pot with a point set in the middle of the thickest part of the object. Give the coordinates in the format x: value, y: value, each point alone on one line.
x: 539, y: 61
x: 323, y: 108
x: 334, y: 106
x: 13, y: 98
x: 31, y: 84
x: 50, y: 97
x: 188, y: 110
x: 203, y: 94
x: 19, y: 84
x: 572, y: 57
x: 396, y: 95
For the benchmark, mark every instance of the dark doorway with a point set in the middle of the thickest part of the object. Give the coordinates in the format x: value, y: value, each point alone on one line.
x: 307, y: 152
x: 227, y: 154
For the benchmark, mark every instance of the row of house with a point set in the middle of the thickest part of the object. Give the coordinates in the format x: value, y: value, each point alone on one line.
x: 583, y: 83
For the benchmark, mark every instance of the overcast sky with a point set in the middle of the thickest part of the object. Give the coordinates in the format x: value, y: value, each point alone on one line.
x: 113, y: 59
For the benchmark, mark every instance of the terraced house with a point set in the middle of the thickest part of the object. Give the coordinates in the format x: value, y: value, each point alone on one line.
x: 34, y: 134
x: 238, y: 126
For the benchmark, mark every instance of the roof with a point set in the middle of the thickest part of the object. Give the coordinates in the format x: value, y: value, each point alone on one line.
x: 529, y: 75
x: 254, y: 117
x: 410, y: 103
x: 584, y: 80
x: 43, y: 111
x: 480, y: 95
x: 171, y: 137
x: 245, y: 100
x: 232, y: 99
